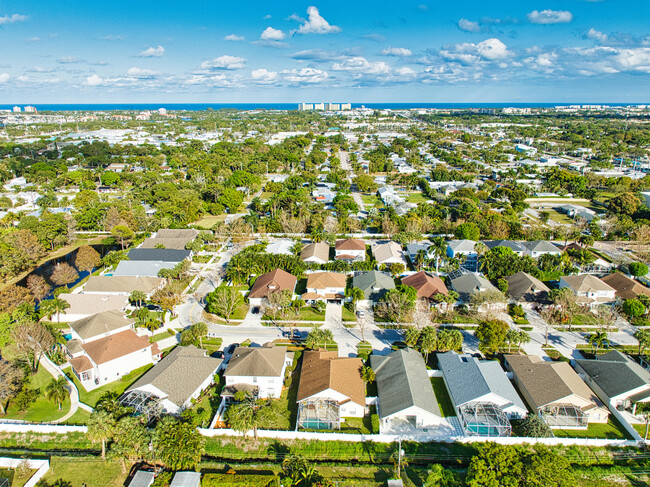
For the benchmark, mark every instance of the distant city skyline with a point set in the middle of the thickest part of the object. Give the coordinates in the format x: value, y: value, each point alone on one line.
x: 290, y: 52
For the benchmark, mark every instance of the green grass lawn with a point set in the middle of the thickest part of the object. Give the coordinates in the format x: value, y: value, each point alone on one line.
x: 609, y: 430
x: 444, y: 401
x: 370, y: 199
x: 208, y: 221
x: 41, y: 410
x: 160, y: 336
x: 360, y: 426
x: 348, y: 315
x: 80, y: 417
x: 201, y: 259
x: 211, y: 345
x: 238, y: 314
x: 16, y: 477
x: 118, y: 386
x: 416, y: 198
x: 640, y: 428
x: 89, y: 471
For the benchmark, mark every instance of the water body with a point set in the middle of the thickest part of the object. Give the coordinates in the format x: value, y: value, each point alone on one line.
x: 279, y: 106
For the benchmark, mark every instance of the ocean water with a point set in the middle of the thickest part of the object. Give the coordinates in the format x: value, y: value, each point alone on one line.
x: 275, y: 106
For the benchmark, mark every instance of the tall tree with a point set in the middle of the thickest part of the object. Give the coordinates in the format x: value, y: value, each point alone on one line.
x: 32, y: 340
x: 87, y: 258
x: 101, y: 428
x: 10, y: 378
x: 131, y: 441
x: 176, y: 444
x: 224, y: 301
x: 38, y: 286
x: 57, y: 390
x: 491, y: 335
x: 63, y: 274
x: 249, y: 413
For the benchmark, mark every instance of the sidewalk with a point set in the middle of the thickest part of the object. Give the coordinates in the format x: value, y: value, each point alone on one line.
x: 56, y: 372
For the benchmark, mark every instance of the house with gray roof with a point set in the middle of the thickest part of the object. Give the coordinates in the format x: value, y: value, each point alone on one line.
x: 516, y: 247
x: 259, y: 370
x: 484, y: 398
x: 186, y: 479
x: 526, y: 289
x: 617, y: 380
x: 537, y: 248
x: 141, y: 268
x: 405, y: 393
x: 467, y: 284
x: 413, y: 249
x: 178, y: 378
x: 160, y: 255
x: 466, y: 249
x: 374, y: 285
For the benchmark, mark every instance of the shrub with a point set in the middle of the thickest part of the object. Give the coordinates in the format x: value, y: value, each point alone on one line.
x: 25, y: 398
x: 288, y: 381
x: 633, y: 308
x: 516, y: 310
x: 638, y: 269
x: 163, y: 479
x: 374, y: 422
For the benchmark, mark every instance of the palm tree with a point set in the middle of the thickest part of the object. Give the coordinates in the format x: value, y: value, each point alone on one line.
x: 439, y: 250
x: 420, y: 258
x: 367, y: 374
x: 250, y: 413
x: 317, y: 236
x: 597, y: 340
x: 412, y: 336
x: 59, y: 305
x: 57, y: 390
x: 297, y: 305
x: 480, y: 248
x: 137, y: 297
x: 101, y: 427
x: 355, y: 294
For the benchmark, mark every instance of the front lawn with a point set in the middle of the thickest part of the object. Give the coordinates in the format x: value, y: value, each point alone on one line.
x: 42, y: 410
x: 442, y: 395
x: 211, y: 345
x: 161, y: 336
x: 417, y: 198
x: 348, y: 315
x: 118, y: 386
x: 610, y: 430
x: 640, y: 428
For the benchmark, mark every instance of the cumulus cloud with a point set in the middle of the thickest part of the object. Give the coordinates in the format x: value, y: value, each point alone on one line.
x: 10, y: 19
x: 397, y: 52
x: 4, y: 77
x: 69, y: 60
x: 271, y: 34
x: 263, y: 76
x: 468, y: 25
x: 360, y: 64
x: 316, y: 24
x: 596, y: 35
x: 550, y: 16
x: 305, y: 75
x: 233, y: 38
x: 140, y: 73
x: 94, y: 80
x: 224, y: 62
x: 39, y: 69
x: 152, y: 52
x: 469, y: 53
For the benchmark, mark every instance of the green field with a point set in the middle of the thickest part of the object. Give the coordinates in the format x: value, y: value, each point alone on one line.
x: 610, y: 430
x: 444, y: 401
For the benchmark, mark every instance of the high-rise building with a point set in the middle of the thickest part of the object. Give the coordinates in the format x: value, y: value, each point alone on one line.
x: 16, y: 109
x: 346, y: 106
x: 319, y: 106
x: 30, y: 109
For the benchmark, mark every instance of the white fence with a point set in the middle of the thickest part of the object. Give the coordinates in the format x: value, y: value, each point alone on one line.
x: 60, y: 429
x: 41, y: 467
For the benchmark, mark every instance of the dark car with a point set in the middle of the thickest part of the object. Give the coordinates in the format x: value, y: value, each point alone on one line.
x: 153, y: 307
x: 218, y: 354
x: 232, y: 348
x: 256, y: 310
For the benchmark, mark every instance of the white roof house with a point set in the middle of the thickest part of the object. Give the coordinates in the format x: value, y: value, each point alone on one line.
x: 282, y: 246
x: 389, y: 253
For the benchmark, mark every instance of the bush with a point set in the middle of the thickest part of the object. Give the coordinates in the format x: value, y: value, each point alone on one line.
x: 638, y: 269
x: 163, y: 479
x: 633, y: 308
x: 25, y: 398
x: 516, y: 310
x: 288, y: 381
x: 374, y: 422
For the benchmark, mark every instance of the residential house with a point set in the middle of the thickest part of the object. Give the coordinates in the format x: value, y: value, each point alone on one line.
x: 555, y: 392
x: 269, y: 283
x: 84, y: 305
x: 388, y: 253
x: 104, y: 348
x: 143, y: 268
x: 413, y: 249
x: 536, y: 248
x: 404, y: 392
x: 374, y: 285
x: 330, y: 389
x: 485, y: 408
x: 177, y: 379
x: 516, y: 247
x: 258, y: 370
x: 160, y: 255
x: 351, y: 249
x: 588, y: 289
x: 617, y: 379
x: 468, y: 284
x: 526, y: 289
x: 389, y: 197
x: 122, y: 284
x: 426, y: 284
x: 281, y: 246
x: 325, y: 286
x: 625, y: 287
x: 316, y: 253
x: 170, y: 239
x: 464, y: 249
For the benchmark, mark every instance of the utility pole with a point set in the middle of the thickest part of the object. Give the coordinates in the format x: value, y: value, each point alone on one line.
x: 400, y: 452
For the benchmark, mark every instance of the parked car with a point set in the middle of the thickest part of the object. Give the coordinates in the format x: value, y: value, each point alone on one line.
x: 232, y: 348
x: 153, y: 307
x: 256, y: 310
x: 218, y: 354
x: 361, y: 313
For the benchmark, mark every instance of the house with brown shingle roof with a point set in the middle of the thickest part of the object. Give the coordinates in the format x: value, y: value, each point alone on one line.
x: 427, y: 285
x: 105, y: 347
x: 269, y: 283
x: 332, y: 384
x: 556, y: 392
x: 625, y: 287
x: 351, y: 249
x: 325, y: 286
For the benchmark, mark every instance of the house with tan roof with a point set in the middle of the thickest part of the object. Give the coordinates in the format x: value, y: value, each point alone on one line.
x: 258, y: 370
x: 269, y: 283
x: 84, y: 305
x: 388, y: 253
x: 426, y: 284
x: 175, y: 381
x: 325, y: 286
x: 330, y: 389
x: 316, y: 253
x: 170, y: 239
x: 625, y: 287
x: 555, y: 392
x: 351, y: 250
x: 105, y: 347
x: 122, y: 284
x: 589, y: 289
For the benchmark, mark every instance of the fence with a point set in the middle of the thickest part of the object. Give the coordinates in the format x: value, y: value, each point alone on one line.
x: 41, y: 467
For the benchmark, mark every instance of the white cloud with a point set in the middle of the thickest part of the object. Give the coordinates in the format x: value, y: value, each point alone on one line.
x: 305, y: 75
x: 224, y: 62
x: 405, y: 72
x: 550, y: 16
x: 633, y: 59
x: 271, y: 34
x: 10, y: 19
x: 397, y: 51
x: 362, y: 65
x: 94, y: 80
x: 262, y: 75
x: 316, y: 24
x: 140, y: 73
x: 39, y: 69
x: 69, y: 60
x: 152, y: 52
x: 468, y: 25
x: 469, y: 53
x: 4, y: 77
x: 596, y: 35
x: 233, y: 38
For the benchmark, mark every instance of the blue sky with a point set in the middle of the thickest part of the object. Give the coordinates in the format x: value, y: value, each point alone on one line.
x: 356, y: 50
